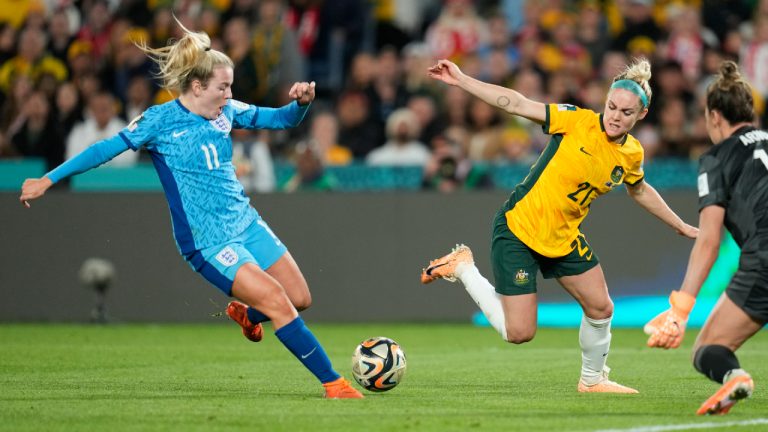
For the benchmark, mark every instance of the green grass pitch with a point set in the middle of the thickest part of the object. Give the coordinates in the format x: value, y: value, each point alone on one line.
x: 56, y: 377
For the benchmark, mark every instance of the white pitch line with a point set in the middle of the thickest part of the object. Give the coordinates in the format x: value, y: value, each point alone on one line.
x: 710, y: 425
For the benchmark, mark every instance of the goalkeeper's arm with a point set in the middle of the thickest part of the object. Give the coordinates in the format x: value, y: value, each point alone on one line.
x: 667, y: 329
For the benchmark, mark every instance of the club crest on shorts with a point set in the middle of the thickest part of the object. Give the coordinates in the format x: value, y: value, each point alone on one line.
x: 617, y: 174
x: 227, y: 257
x: 521, y: 277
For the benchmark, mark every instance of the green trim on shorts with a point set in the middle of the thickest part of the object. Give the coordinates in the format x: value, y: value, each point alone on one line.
x: 515, y: 265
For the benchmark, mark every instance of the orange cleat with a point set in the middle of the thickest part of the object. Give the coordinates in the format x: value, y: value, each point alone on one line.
x: 239, y: 313
x: 605, y: 386
x: 341, y: 389
x: 735, y: 388
x: 445, y: 267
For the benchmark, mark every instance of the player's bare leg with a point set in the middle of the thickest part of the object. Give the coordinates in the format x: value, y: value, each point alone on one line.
x: 287, y: 273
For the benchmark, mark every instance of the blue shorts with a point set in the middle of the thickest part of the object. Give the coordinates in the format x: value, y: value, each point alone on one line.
x: 219, y: 264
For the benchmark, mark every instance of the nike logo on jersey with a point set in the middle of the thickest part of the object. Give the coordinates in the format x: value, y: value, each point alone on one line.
x: 303, y: 356
x: 585, y: 152
x: 178, y: 134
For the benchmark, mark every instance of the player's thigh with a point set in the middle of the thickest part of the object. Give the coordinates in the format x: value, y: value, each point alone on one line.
x: 258, y: 289
x: 727, y: 325
x: 272, y: 256
x: 520, y: 314
x: 287, y: 272
x: 591, y: 291
x: 514, y: 264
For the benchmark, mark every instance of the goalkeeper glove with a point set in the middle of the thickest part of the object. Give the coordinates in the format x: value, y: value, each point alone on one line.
x: 667, y: 329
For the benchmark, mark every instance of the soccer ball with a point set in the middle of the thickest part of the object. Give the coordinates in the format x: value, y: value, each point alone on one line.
x: 378, y: 364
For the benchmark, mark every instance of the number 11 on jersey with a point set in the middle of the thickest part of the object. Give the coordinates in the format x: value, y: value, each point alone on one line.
x: 211, y: 155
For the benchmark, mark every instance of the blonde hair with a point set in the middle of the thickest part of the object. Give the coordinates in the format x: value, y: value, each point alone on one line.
x: 638, y: 71
x: 188, y: 59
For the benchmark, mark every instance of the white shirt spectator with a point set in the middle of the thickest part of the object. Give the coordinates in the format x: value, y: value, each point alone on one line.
x: 100, y: 123
x: 402, y: 147
x: 393, y: 153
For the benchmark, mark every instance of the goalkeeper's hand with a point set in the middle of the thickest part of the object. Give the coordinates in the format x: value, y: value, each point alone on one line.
x: 667, y: 329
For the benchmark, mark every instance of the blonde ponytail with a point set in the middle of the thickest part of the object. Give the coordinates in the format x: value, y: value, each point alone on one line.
x: 188, y: 59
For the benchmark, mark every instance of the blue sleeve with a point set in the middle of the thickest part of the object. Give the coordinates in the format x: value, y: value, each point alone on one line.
x: 285, y: 117
x: 95, y: 155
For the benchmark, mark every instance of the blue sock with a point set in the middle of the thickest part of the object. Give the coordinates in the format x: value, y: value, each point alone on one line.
x: 303, y: 344
x: 255, y: 317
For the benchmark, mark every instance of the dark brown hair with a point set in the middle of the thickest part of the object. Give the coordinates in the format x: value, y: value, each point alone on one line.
x: 731, y: 95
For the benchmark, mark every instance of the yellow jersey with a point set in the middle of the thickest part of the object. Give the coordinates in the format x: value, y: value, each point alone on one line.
x: 579, y: 164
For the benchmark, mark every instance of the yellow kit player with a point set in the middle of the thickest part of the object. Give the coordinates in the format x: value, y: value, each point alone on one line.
x: 537, y: 228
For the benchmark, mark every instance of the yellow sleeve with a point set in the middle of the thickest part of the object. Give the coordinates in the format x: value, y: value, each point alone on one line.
x: 563, y: 118
x: 635, y: 174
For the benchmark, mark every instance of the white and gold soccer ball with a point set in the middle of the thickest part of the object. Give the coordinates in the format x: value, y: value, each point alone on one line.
x: 378, y: 364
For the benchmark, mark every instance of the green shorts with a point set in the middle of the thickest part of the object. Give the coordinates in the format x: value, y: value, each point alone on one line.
x: 515, y: 265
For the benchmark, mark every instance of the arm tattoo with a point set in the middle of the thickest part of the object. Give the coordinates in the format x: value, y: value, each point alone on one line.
x: 502, y: 101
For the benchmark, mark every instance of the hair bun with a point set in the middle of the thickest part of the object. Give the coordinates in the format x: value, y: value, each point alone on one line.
x: 730, y: 71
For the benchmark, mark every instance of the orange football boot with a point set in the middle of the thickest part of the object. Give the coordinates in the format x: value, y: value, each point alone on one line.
x: 605, y: 385
x: 239, y: 313
x: 445, y: 267
x: 341, y: 389
x: 736, y: 388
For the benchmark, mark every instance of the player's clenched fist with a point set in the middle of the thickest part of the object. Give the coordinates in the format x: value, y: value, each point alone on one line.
x: 302, y: 92
x: 667, y: 329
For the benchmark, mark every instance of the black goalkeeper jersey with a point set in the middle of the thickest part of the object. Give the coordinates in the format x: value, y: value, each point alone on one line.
x: 734, y: 175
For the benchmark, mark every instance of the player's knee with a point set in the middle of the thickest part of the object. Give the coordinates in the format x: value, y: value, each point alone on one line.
x: 519, y: 336
x: 303, y: 301
x: 600, y: 311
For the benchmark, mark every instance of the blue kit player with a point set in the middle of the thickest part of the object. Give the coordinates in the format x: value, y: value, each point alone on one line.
x: 216, y: 229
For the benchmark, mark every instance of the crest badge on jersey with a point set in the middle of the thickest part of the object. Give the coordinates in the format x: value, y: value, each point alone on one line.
x: 227, y: 257
x: 521, y: 277
x: 617, y: 174
x: 566, y: 107
x: 222, y: 123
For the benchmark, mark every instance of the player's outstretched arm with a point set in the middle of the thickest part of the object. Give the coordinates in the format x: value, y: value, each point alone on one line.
x: 648, y: 198
x: 507, y: 99
x: 95, y: 155
x: 668, y: 328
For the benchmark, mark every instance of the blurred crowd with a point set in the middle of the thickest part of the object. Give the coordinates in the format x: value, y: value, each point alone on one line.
x: 70, y: 75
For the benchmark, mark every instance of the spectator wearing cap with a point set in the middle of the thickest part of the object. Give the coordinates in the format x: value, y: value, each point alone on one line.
x: 80, y: 61
x: 402, y: 147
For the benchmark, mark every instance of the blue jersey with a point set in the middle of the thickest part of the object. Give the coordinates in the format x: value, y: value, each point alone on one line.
x: 193, y: 158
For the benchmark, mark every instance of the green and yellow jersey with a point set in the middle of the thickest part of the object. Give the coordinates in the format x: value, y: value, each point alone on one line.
x: 579, y: 164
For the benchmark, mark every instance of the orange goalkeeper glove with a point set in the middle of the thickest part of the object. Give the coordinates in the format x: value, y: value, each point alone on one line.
x: 668, y: 328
